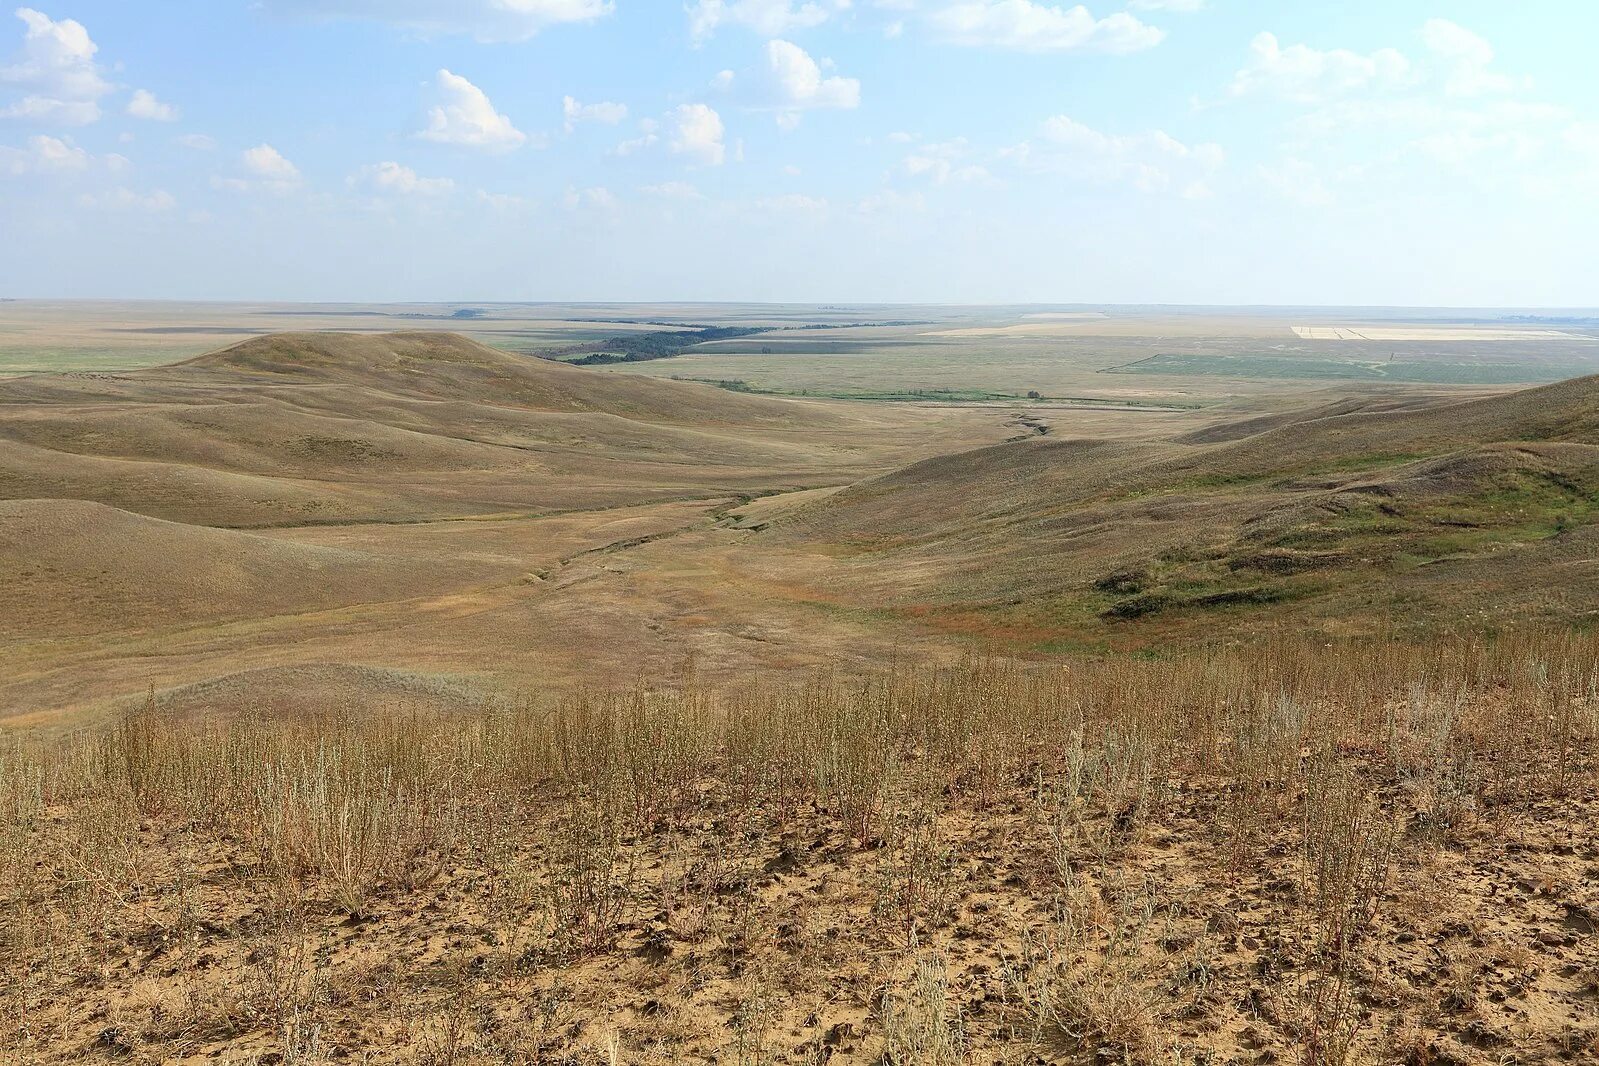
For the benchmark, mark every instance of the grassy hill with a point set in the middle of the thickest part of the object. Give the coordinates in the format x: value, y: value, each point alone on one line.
x: 1410, y: 515
x: 296, y: 428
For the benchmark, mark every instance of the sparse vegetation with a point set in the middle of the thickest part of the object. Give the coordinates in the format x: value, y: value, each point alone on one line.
x: 1101, y: 860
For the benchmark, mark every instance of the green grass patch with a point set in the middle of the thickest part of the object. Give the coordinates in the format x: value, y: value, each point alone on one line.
x: 1284, y: 368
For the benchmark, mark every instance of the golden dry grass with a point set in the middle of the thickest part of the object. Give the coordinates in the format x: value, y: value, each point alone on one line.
x: 1285, y: 851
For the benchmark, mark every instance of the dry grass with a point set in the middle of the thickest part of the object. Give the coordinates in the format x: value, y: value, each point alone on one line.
x: 1314, y: 852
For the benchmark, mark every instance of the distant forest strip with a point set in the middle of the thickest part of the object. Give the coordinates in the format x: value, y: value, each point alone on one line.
x: 664, y: 344
x: 641, y: 347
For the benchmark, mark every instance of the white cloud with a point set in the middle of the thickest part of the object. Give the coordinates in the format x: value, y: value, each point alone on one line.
x: 487, y: 20
x: 697, y: 132
x: 467, y: 117
x: 265, y: 161
x: 197, y: 141
x: 1457, y: 62
x: 43, y: 155
x: 145, y: 105
x: 1184, y: 6
x: 46, y: 110
x: 942, y: 163
x: 1442, y: 111
x: 1467, y: 58
x: 121, y: 199
x: 267, y: 171
x: 395, y: 178
x: 1308, y: 75
x: 604, y: 112
x: 501, y: 201
x: 769, y: 18
x: 789, y: 82
x: 891, y: 201
x: 58, y: 71
x: 1151, y: 162
x: 648, y: 137
x: 1027, y: 26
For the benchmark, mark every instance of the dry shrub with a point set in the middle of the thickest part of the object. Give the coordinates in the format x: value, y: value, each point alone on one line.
x: 1094, y: 982
x: 920, y: 1026
x: 1348, y: 844
x: 556, y: 808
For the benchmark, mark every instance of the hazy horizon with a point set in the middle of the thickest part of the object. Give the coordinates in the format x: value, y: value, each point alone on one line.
x: 1443, y: 310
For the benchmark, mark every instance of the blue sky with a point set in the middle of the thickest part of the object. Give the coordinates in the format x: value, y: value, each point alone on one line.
x: 970, y: 151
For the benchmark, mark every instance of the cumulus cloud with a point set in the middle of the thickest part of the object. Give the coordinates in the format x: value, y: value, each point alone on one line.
x: 487, y: 20
x: 501, y: 201
x: 58, y: 71
x: 467, y: 117
x: 943, y: 162
x: 391, y: 177
x: 1150, y: 162
x: 1465, y: 57
x: 890, y: 202
x: 769, y: 18
x: 198, y: 142
x: 44, y: 110
x: 696, y: 132
x: 1443, y: 104
x: 145, y: 105
x: 648, y: 136
x: 265, y: 169
x: 605, y: 113
x: 1027, y: 26
x: 1309, y: 75
x: 265, y: 161
x: 789, y: 82
x: 1457, y: 62
x: 43, y: 155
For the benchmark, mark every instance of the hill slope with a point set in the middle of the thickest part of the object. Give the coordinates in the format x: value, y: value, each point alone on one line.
x: 77, y: 567
x: 448, y: 366
x: 296, y: 428
x: 1415, y: 515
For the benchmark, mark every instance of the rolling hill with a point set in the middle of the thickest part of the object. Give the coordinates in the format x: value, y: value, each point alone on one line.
x: 1410, y: 515
x: 383, y: 506
x: 75, y: 567
x: 296, y: 428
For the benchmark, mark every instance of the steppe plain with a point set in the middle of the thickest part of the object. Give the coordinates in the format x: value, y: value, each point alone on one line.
x: 190, y: 498
x: 893, y: 684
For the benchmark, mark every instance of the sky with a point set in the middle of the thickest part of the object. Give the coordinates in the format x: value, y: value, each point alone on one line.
x: 1358, y: 152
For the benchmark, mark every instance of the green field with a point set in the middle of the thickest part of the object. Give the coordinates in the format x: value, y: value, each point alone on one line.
x: 1435, y: 372
x: 1125, y: 358
x: 41, y: 359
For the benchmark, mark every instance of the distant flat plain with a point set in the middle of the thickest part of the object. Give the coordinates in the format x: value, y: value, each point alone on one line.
x: 1163, y: 356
